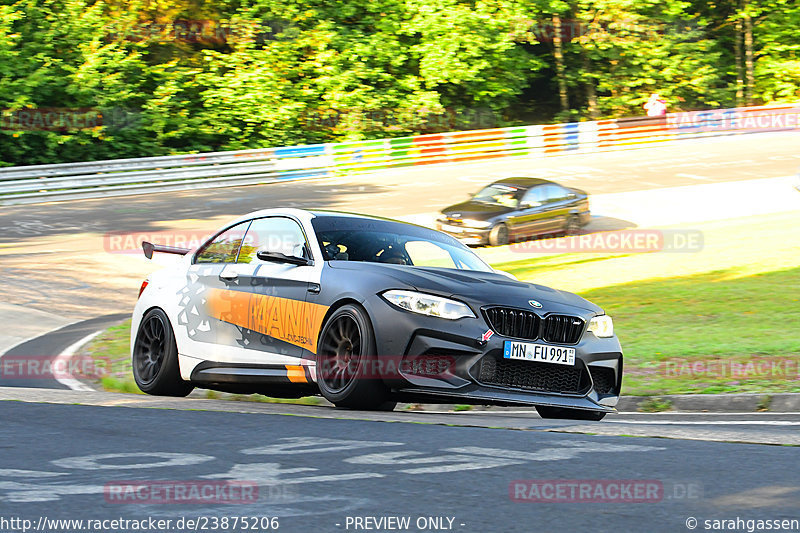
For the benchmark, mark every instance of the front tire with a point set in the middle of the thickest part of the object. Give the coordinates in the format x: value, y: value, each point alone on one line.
x: 155, y: 357
x: 498, y: 236
x: 346, y: 375
x: 569, y: 414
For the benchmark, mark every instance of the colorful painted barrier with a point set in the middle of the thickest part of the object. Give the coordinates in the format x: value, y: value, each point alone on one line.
x: 119, y: 177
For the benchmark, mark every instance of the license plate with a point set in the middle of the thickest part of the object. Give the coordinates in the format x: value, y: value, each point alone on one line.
x: 542, y: 353
x: 452, y: 229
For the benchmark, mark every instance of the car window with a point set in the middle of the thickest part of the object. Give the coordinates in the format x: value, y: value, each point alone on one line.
x: 497, y: 193
x: 425, y: 253
x: 224, y: 248
x: 273, y: 234
x: 384, y: 241
x: 554, y: 193
x: 534, y: 197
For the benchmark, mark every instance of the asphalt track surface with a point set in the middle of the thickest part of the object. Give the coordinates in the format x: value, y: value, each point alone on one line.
x: 318, y: 471
x: 457, y: 467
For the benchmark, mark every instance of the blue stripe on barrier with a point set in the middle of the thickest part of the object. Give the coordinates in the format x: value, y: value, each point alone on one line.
x: 300, y: 151
x: 295, y: 174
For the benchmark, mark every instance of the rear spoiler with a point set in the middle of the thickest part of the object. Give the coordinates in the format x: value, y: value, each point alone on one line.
x: 149, y: 248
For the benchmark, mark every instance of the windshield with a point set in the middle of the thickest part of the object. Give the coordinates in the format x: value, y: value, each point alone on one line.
x: 505, y: 195
x: 384, y: 241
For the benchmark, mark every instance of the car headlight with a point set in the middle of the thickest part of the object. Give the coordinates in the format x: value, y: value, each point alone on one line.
x: 601, y: 326
x: 478, y: 224
x: 428, y: 304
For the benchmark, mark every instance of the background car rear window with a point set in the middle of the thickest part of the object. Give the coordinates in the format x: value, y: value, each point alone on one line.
x: 224, y: 248
x: 555, y: 193
x: 534, y: 197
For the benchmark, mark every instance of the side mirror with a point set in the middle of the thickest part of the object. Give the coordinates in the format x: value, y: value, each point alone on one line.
x: 277, y: 257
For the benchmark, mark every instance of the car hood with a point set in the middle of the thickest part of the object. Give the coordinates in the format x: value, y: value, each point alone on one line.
x: 475, y: 210
x: 478, y: 288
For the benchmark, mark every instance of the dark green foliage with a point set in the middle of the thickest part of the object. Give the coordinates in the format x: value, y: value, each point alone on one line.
x: 173, y: 76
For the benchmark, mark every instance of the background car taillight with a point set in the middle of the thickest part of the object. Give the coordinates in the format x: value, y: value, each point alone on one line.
x: 142, y: 288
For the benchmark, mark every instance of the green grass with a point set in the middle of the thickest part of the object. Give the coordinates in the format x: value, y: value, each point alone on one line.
x: 669, y: 328
x: 529, y: 268
x: 113, y: 346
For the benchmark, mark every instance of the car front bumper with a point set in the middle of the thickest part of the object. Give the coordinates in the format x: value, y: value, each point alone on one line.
x: 468, y: 236
x: 468, y: 364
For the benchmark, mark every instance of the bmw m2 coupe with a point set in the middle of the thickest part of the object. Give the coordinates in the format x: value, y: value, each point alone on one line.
x: 367, y: 312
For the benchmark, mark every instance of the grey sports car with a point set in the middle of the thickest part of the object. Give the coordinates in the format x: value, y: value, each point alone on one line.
x: 367, y: 312
x: 516, y: 209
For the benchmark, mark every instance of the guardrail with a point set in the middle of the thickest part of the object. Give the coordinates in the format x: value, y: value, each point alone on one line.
x: 120, y: 177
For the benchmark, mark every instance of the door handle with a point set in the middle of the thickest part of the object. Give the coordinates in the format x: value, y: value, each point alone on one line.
x: 230, y: 276
x: 313, y: 288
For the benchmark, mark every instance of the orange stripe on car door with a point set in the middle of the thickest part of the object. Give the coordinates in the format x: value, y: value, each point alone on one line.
x: 293, y: 321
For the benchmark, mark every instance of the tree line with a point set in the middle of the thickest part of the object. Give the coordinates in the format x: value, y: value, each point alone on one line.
x: 87, y: 80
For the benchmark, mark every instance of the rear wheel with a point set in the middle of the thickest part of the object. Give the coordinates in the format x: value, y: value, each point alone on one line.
x: 155, y: 357
x: 498, y: 236
x: 572, y: 226
x: 569, y: 414
x: 346, y: 374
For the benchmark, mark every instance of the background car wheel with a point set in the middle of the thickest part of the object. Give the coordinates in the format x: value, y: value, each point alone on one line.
x: 569, y: 414
x: 572, y: 226
x: 499, y: 235
x: 345, y: 375
x: 155, y: 357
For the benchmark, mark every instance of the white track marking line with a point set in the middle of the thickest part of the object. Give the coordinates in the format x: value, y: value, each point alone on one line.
x: 64, y: 358
x: 629, y: 413
x: 709, y: 422
x: 711, y: 413
x: 32, y: 337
